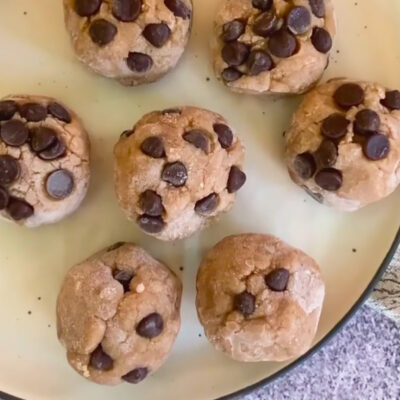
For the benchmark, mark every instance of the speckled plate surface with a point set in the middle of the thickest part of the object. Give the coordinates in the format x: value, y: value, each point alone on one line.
x: 36, y: 58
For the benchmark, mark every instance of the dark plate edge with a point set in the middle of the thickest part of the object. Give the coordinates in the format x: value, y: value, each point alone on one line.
x: 336, y: 329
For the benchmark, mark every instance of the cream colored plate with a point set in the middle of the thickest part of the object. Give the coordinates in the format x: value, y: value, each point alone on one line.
x: 36, y: 57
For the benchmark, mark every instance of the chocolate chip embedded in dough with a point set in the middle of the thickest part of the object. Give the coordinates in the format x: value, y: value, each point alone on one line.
x: 266, y: 24
x: 304, y: 165
x: 335, y: 126
x: 263, y: 5
x: 124, y: 278
x: 321, y: 40
x: 4, y: 198
x: 245, y: 303
x: 19, y: 209
x: 59, y: 184
x: 198, y: 139
x: 329, y: 179
x: 318, y: 7
x: 232, y: 30
x: 349, y: 95
x: 102, y: 32
x: 326, y: 154
x: 153, y: 147
x: 33, y: 112
x: 9, y: 169
x: 277, y: 279
x: 207, y: 205
x: 225, y: 135
x: 151, y: 203
x: 126, y: 10
x: 392, y: 100
x: 87, y: 8
x: 231, y: 74
x: 150, y: 326
x: 151, y: 224
x: 175, y: 174
x: 100, y: 360
x: 366, y: 122
x: 157, y: 34
x: 259, y: 61
x: 139, y: 62
x: 136, y: 375
x: 376, y: 147
x: 282, y: 44
x: 14, y: 133
x: 42, y: 138
x: 236, y: 179
x: 56, y: 150
x: 7, y: 109
x: 58, y: 111
x: 298, y: 20
x: 235, y: 53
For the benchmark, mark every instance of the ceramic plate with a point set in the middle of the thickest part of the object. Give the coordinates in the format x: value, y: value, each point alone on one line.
x: 36, y: 57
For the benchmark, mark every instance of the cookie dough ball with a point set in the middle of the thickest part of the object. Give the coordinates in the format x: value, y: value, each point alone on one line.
x: 273, y: 46
x: 44, y: 160
x: 118, y: 315
x: 177, y: 170
x: 343, y: 146
x: 132, y: 41
x: 258, y: 298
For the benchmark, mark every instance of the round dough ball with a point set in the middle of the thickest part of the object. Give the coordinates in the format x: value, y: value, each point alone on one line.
x: 118, y: 315
x: 343, y: 146
x: 258, y: 298
x: 273, y: 46
x: 132, y: 41
x: 44, y: 160
x: 177, y: 170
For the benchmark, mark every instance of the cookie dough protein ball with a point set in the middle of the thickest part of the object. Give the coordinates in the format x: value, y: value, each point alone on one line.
x: 118, y: 314
x: 44, y: 160
x: 177, y: 170
x: 132, y: 41
x: 343, y: 145
x: 258, y: 298
x: 273, y: 46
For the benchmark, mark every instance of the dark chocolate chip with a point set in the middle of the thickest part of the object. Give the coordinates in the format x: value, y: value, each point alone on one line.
x: 33, y: 112
x: 136, y: 375
x: 259, y: 61
x: 157, y: 34
x: 9, y: 169
x: 225, y: 135
x: 171, y: 111
x: 298, y: 20
x: 376, y: 147
x: 55, y: 151
x: 318, y: 7
x: 124, y: 278
x: 100, y: 360
x: 126, y: 10
x: 207, y: 205
x: 139, y: 62
x: 236, y: 179
x: 151, y: 224
x: 366, y: 121
x: 19, y: 209
x: 59, y: 184
x: 153, y: 147
x: 245, y: 303
x: 7, y: 109
x: 231, y: 74
x: 335, y: 126
x: 115, y: 246
x: 150, y: 326
x: 86, y: 8
x: 321, y: 40
x: 277, y: 279
x: 349, y: 95
x: 392, y: 100
x: 4, y: 198
x: 14, y: 133
x: 174, y: 173
x: 59, y: 112
x: 179, y: 8
x: 42, y: 138
x: 329, y: 179
x: 151, y: 203
x: 304, y: 165
x: 102, y: 32
x: 282, y: 44
x: 233, y: 30
x: 198, y: 139
x: 235, y: 53
x: 266, y: 24
x: 127, y: 133
x: 263, y: 5
x: 326, y: 154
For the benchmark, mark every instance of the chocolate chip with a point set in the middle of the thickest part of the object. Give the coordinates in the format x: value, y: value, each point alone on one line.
x: 326, y: 154
x: 366, y: 121
x: 14, y: 133
x: 263, y: 5
x: 171, y: 111
x: 236, y: 179
x: 139, y: 62
x: 7, y: 109
x: 42, y: 138
x: 321, y: 40
x: 124, y: 278
x: 225, y: 135
x: 9, y: 169
x: 304, y: 165
x: 175, y: 173
x: 102, y: 32
x: 245, y: 303
x: 127, y: 133
x: 33, y: 112
x: 179, y: 8
x: 86, y: 8
x: 335, y: 126
x: 157, y: 34
x: 298, y: 20
x: 100, y: 360
x: 56, y: 150
x: 136, y: 375
x: 317, y: 7
x: 126, y: 10
x: 349, y: 95
x: 4, y: 198
x: 198, y: 139
x: 259, y: 61
x: 115, y: 246
x: 59, y: 112
x: 19, y: 209
x: 282, y: 44
x: 151, y: 224
x: 392, y: 100
x: 150, y: 326
x: 266, y: 24
x: 376, y: 147
x: 231, y: 74
x: 329, y: 179
x: 59, y: 184
x: 207, y: 205
x: 235, y: 53
x: 153, y: 147
x: 151, y: 203
x: 277, y: 279
x: 233, y: 30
